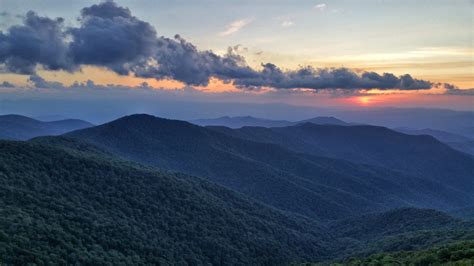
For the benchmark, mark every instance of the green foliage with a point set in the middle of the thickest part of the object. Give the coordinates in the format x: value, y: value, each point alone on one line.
x: 64, y: 207
x: 459, y: 253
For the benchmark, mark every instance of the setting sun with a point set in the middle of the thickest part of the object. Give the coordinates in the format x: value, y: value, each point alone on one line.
x: 364, y: 100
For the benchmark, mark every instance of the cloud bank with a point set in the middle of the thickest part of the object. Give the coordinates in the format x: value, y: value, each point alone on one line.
x: 109, y: 36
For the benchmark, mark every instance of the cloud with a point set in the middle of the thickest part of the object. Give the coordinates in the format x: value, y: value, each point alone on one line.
x: 40, y: 40
x: 7, y: 84
x: 109, y: 36
x: 39, y: 83
x: 320, y: 7
x: 287, y: 23
x: 454, y: 90
x: 330, y: 78
x: 235, y: 26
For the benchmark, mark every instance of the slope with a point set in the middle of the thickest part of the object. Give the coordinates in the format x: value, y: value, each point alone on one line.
x: 421, y: 156
x: 318, y: 187
x: 73, y: 205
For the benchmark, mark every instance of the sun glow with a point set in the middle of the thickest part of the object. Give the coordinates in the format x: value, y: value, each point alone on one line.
x: 364, y: 100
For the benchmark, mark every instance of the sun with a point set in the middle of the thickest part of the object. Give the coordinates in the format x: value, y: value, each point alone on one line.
x: 364, y: 100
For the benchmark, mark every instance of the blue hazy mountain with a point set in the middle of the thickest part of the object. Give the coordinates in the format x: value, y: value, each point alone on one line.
x: 17, y: 127
x: 455, y: 141
x: 276, y: 169
x: 242, y: 121
x: 422, y: 156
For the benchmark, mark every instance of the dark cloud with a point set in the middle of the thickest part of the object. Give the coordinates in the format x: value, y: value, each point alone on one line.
x: 40, y: 83
x: 40, y: 40
x: 181, y: 60
x: 110, y: 36
x: 330, y: 78
x: 7, y: 84
x: 454, y: 90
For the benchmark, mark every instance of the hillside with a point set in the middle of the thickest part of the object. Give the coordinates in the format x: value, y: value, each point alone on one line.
x: 67, y: 205
x: 404, y: 229
x: 421, y: 156
x: 17, y: 127
x: 455, y: 141
x: 318, y: 187
x: 64, y: 201
x: 458, y: 253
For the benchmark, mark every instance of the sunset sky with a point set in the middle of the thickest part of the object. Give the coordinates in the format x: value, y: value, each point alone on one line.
x: 308, y: 53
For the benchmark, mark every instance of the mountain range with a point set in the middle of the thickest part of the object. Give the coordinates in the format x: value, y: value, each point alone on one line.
x: 242, y: 121
x: 321, y: 171
x: 65, y: 201
x: 455, y: 141
x: 17, y: 127
x: 148, y: 190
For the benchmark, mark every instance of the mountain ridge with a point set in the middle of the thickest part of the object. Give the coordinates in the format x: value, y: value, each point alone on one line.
x: 18, y: 127
x: 303, y: 183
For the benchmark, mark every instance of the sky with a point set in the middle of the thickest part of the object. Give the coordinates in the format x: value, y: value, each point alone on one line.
x: 340, y: 54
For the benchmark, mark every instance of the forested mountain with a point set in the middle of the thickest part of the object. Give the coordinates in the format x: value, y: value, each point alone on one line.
x: 458, y: 253
x: 455, y: 141
x: 64, y: 202
x: 421, y: 156
x: 17, y: 127
x: 72, y: 205
x: 399, y: 229
x: 318, y: 187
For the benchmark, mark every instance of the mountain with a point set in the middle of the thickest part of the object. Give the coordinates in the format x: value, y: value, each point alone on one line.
x: 455, y: 141
x: 457, y: 122
x: 399, y: 229
x: 422, y: 156
x: 319, y: 187
x: 66, y: 202
x: 323, y: 120
x: 17, y: 127
x: 243, y: 121
x: 442, y: 136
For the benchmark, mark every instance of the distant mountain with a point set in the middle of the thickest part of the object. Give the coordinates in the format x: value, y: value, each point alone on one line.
x: 249, y: 121
x: 17, y: 127
x: 63, y: 201
x: 277, y: 173
x: 241, y: 121
x: 455, y: 141
x: 421, y: 156
x: 458, y: 122
x: 324, y: 120
x: 438, y: 134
